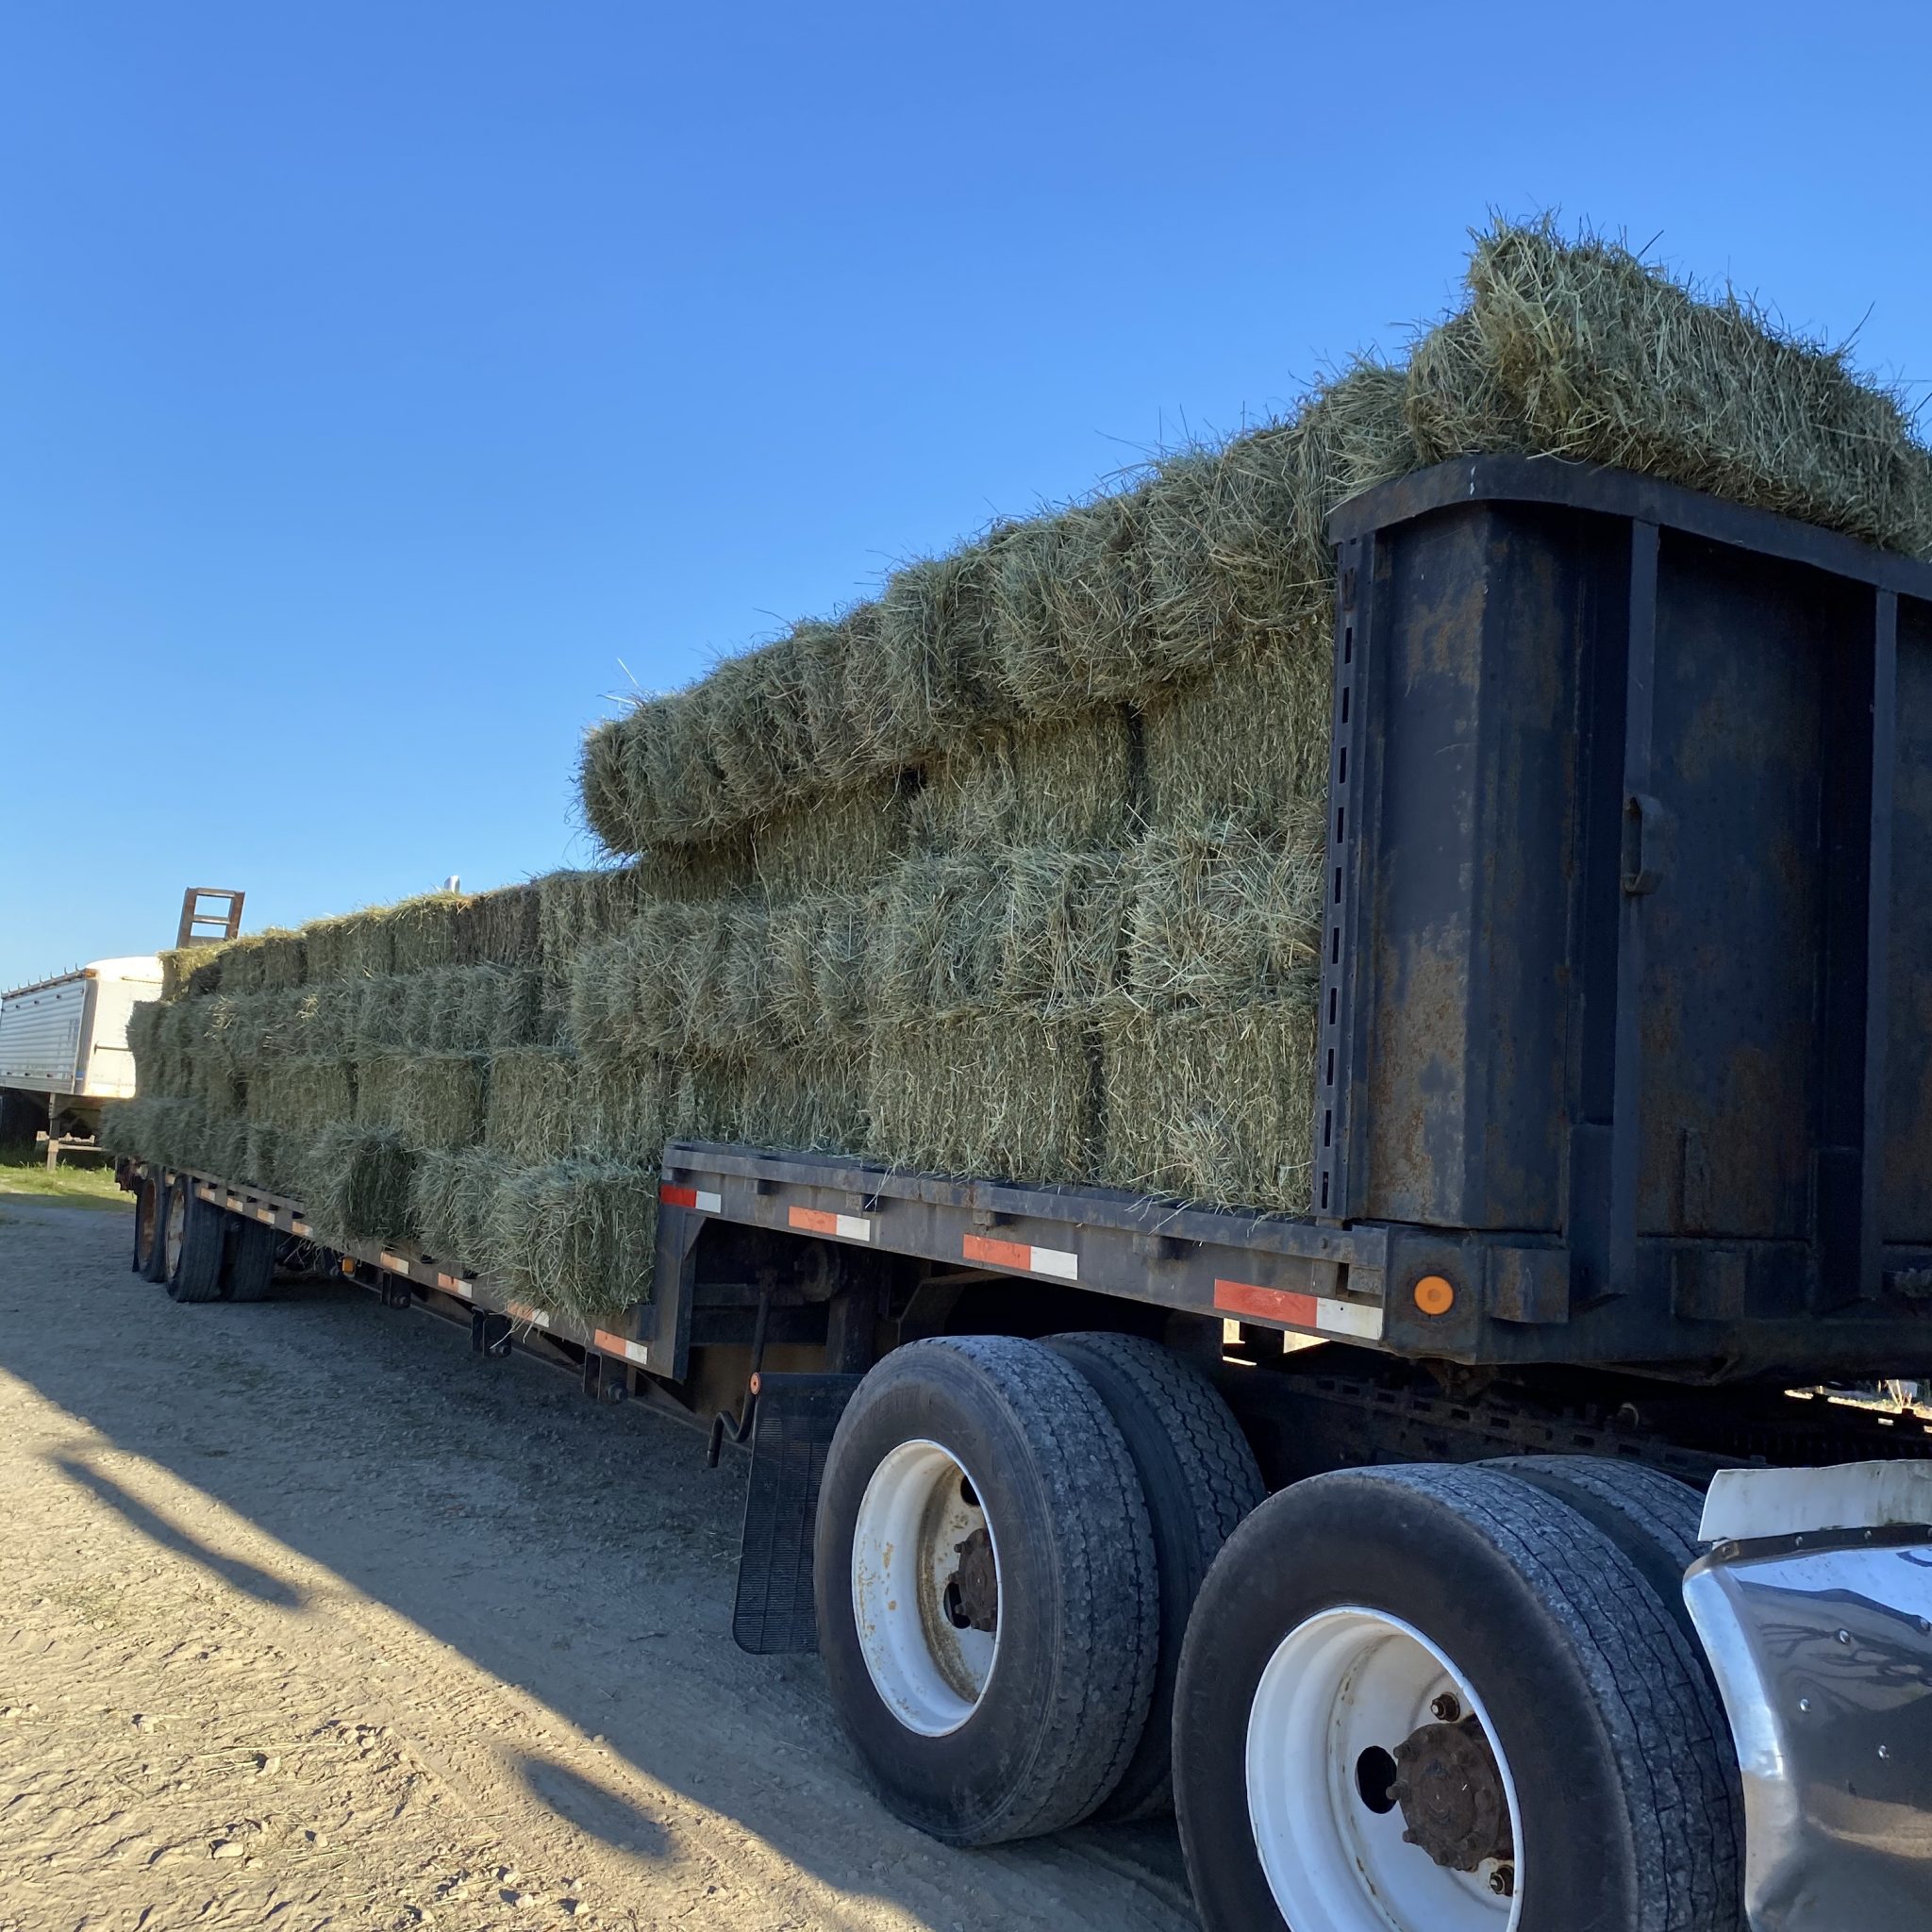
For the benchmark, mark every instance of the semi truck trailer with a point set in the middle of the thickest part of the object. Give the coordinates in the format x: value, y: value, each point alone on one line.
x: 1482, y: 1549
x: 63, y: 1049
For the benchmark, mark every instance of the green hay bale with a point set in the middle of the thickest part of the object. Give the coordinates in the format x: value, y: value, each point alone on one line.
x: 1599, y: 357
x: 284, y: 960
x: 1224, y: 918
x: 241, y: 964
x: 939, y: 648
x: 1073, y: 784
x: 156, y: 1067
x: 498, y: 928
x: 658, y: 987
x: 176, y: 963
x: 220, y: 1091
x: 756, y: 733
x: 579, y: 1237
x: 534, y: 1106
x: 1004, y: 932
x: 1246, y: 742
x: 123, y: 1124
x: 352, y: 946
x: 1013, y: 1096
x: 423, y: 931
x: 577, y: 909
x: 841, y: 845
x: 1070, y: 596
x: 625, y: 1112
x: 1212, y: 1107
x: 382, y: 1015
x: 465, y: 1009
x: 205, y: 975
x: 433, y: 1099
x: 802, y: 1099
x: 274, y: 1158
x: 452, y: 1204
x: 303, y: 1097
x: 358, y: 1182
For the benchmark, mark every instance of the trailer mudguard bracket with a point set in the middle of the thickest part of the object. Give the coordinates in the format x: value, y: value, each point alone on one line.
x: 775, y: 1613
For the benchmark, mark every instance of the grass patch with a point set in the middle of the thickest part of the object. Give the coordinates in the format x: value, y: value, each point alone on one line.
x: 24, y: 1174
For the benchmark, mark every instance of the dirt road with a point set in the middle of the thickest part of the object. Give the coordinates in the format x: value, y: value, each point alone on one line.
x: 309, y: 1618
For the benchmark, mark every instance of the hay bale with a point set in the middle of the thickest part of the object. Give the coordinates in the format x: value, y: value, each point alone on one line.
x: 176, y: 963
x: 498, y: 928
x: 533, y: 1105
x: 1582, y: 351
x: 284, y: 960
x: 423, y: 931
x: 452, y: 1202
x: 1225, y: 918
x: 431, y: 1099
x: 274, y: 1159
x: 1074, y: 784
x: 303, y: 1097
x: 839, y: 846
x: 357, y: 1184
x: 577, y: 1237
x: 382, y: 1014
x: 1210, y: 1106
x: 204, y: 975
x: 1013, y: 1096
x: 1247, y: 741
x: 658, y: 987
x: 575, y: 909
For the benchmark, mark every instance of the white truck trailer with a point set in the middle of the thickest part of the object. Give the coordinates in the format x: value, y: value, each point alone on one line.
x: 63, y: 1049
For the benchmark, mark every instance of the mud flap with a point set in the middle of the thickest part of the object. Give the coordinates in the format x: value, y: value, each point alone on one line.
x: 796, y: 1415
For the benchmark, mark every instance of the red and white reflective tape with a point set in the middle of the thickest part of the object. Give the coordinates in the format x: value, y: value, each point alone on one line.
x: 267, y: 1214
x: 395, y: 1263
x: 453, y: 1284
x: 607, y: 1343
x: 1058, y: 1262
x: 520, y: 1312
x: 690, y: 1197
x: 845, y: 1228
x: 1321, y: 1312
x: 297, y: 1226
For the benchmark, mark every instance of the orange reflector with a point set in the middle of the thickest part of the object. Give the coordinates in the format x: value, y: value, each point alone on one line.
x: 1434, y: 1294
x: 348, y: 1264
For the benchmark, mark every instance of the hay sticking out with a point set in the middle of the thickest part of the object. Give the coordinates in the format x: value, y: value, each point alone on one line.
x: 452, y: 1202
x: 359, y: 1181
x: 1211, y: 1107
x: 577, y: 1237
x: 1012, y: 1097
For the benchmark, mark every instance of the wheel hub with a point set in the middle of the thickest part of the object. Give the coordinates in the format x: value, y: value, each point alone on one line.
x: 973, y: 1596
x: 1452, y: 1796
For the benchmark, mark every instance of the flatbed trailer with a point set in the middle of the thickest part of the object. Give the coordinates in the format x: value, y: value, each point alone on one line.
x: 1623, y: 1140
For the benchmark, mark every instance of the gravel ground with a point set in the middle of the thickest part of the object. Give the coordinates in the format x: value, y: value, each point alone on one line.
x: 309, y: 1619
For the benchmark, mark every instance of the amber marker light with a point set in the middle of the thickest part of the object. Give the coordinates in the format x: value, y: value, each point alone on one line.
x: 1434, y: 1294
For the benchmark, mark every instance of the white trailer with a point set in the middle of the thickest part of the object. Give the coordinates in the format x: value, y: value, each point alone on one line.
x: 63, y: 1048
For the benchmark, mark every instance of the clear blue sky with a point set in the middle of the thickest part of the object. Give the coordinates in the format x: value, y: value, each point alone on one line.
x: 382, y: 386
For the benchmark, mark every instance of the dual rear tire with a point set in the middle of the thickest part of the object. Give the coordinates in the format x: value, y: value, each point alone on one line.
x: 1011, y: 1535
x: 199, y: 1252
x: 1417, y: 1699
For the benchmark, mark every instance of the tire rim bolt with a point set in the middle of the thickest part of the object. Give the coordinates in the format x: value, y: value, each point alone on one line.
x: 1447, y: 1710
x: 1503, y: 1881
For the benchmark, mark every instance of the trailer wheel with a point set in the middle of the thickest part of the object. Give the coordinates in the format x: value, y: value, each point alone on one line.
x: 1653, y: 1518
x: 985, y: 1588
x: 195, y: 1233
x: 1200, y: 1479
x: 249, y: 1270
x: 1438, y: 1699
x: 148, y: 1214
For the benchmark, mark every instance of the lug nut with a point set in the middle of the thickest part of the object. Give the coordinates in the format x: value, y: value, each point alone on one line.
x: 1448, y: 1708
x: 1503, y: 1881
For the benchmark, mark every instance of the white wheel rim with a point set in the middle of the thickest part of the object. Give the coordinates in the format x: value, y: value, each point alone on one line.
x: 173, y: 1231
x: 1345, y: 1683
x: 920, y: 1505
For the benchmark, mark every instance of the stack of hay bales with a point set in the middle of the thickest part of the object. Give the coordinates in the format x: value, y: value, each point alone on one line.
x: 1014, y: 870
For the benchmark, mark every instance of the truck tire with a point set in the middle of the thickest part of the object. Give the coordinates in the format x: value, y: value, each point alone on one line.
x: 985, y: 1578
x: 148, y: 1215
x: 1200, y: 1478
x: 249, y: 1270
x: 1653, y: 1518
x: 1373, y: 1640
x: 194, y: 1260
